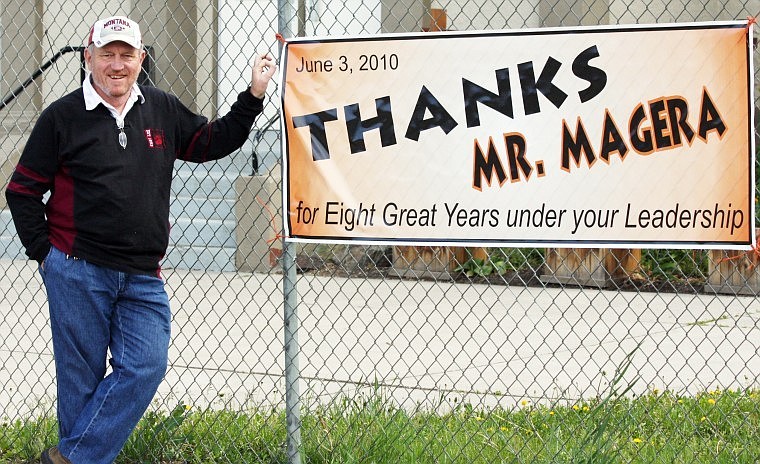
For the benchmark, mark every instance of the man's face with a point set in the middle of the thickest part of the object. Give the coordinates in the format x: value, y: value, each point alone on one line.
x: 115, y: 68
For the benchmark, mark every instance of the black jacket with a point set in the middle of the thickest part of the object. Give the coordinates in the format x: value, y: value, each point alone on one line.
x: 110, y: 205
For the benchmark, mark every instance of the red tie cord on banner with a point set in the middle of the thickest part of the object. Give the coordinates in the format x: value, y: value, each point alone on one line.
x: 277, y: 234
x: 753, y: 256
x: 282, y: 39
x: 750, y: 21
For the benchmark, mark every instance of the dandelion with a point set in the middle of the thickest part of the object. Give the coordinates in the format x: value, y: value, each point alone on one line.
x: 576, y: 407
x: 586, y: 408
x: 711, y: 400
x: 503, y: 429
x: 524, y: 402
x: 703, y: 419
x: 637, y: 440
x: 551, y: 413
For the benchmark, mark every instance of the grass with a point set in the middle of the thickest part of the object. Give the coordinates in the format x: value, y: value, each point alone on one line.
x: 711, y: 427
x: 668, y: 265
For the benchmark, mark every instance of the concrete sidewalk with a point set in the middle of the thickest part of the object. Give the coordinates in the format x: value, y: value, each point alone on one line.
x: 424, y: 344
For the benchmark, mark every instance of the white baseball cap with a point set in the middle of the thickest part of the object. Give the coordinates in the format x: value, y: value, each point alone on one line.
x: 115, y: 28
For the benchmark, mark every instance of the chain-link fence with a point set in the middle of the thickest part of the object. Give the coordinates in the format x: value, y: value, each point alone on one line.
x: 382, y: 354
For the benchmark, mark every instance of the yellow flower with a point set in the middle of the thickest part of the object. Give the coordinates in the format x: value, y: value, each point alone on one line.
x: 703, y: 419
x: 586, y: 408
x: 503, y: 429
x: 551, y: 413
x: 524, y: 402
x: 576, y: 407
x: 711, y: 401
x: 637, y: 440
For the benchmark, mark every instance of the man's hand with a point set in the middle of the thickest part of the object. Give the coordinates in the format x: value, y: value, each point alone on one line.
x: 263, y: 69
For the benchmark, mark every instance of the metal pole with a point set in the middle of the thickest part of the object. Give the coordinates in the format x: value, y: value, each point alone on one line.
x: 286, y: 16
x: 16, y: 92
x: 292, y: 369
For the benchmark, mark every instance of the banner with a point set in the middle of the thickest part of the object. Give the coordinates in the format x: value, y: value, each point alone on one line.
x: 624, y: 136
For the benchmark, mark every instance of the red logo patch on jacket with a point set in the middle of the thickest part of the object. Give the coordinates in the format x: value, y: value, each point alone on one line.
x: 155, y: 138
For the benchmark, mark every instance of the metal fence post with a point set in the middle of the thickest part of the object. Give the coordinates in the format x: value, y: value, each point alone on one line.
x: 292, y: 369
x: 290, y: 314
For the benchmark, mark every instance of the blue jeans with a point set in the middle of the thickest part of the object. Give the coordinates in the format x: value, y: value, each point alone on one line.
x: 94, y: 309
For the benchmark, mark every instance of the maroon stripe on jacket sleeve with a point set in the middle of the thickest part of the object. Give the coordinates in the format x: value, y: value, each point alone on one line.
x: 188, y: 155
x: 60, y: 213
x: 21, y: 189
x: 26, y: 172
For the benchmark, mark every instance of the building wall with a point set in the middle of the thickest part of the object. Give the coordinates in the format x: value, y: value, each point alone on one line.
x: 203, y: 48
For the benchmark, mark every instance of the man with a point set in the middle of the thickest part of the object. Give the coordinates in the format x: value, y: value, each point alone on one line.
x: 105, y: 153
